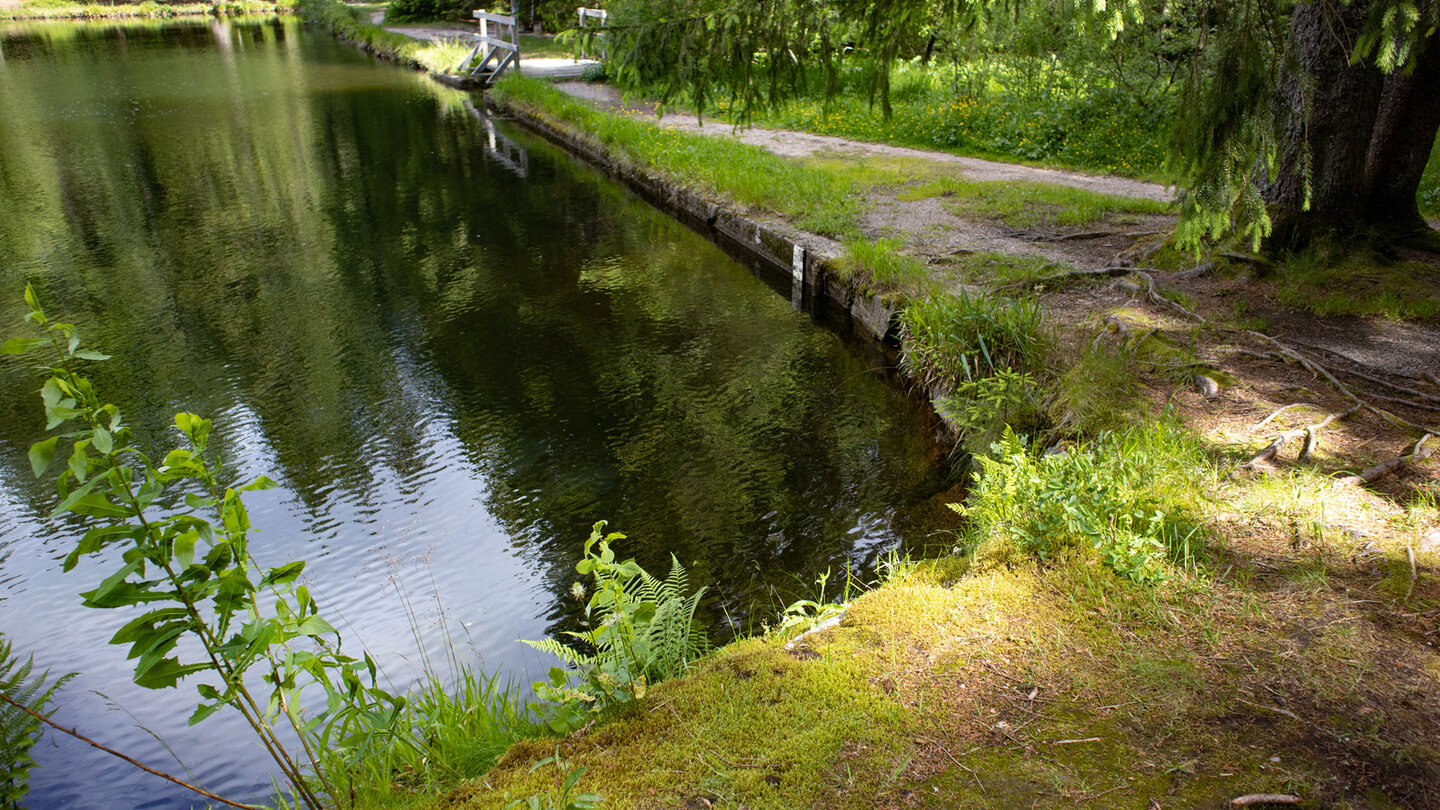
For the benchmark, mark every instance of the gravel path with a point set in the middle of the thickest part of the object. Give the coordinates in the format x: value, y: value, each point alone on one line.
x: 799, y: 144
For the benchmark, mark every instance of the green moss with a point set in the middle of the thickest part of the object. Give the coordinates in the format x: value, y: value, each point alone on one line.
x: 754, y: 724
x: 1331, y: 281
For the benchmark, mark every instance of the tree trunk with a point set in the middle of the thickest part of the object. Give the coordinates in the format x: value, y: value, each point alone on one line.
x: 1354, y: 138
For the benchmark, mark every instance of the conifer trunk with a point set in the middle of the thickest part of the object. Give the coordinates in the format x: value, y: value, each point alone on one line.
x: 1365, y: 134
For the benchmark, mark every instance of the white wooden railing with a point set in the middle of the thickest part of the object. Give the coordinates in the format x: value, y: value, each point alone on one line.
x: 497, y: 48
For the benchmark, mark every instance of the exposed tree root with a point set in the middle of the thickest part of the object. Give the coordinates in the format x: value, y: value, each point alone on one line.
x: 1155, y: 296
x: 1320, y: 371
x: 1283, y: 408
x: 1247, y: 258
x: 1109, y: 271
x: 1309, y: 432
x: 1251, y: 799
x: 1197, y: 271
x: 1417, y: 453
x: 1419, y: 406
x: 1392, y: 386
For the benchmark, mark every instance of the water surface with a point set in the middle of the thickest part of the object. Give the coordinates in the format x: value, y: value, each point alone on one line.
x: 454, y: 360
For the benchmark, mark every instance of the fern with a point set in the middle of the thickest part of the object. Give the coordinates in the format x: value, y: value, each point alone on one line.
x: 18, y: 730
x: 642, y: 631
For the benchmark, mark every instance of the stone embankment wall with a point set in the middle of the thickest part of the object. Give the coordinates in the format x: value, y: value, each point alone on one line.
x: 771, y: 249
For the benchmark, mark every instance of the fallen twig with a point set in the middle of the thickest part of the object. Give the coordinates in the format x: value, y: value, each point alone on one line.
x: 1275, y: 709
x: 1264, y: 798
x: 1414, y: 574
x: 1072, y: 742
x: 958, y: 764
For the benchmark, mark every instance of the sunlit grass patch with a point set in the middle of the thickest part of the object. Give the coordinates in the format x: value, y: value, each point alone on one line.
x: 883, y: 264
x: 815, y: 200
x: 1028, y: 204
x: 999, y: 268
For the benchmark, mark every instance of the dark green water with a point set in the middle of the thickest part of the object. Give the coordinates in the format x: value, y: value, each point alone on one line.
x: 453, y: 362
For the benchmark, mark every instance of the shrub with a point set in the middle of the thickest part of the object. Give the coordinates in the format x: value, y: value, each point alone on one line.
x: 410, y: 10
x: 1127, y: 496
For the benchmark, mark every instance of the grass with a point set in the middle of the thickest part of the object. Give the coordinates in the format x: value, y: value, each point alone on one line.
x: 1002, y: 115
x: 813, y: 199
x: 1016, y: 204
x: 462, y: 729
x: 1360, y: 283
x: 883, y: 264
x: 949, y: 338
x: 541, y: 46
x: 1026, y: 204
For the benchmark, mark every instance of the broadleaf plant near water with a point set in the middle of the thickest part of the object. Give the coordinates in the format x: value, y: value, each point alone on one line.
x: 210, y: 610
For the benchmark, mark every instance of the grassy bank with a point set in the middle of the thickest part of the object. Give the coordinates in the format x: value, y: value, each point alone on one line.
x: 67, y: 10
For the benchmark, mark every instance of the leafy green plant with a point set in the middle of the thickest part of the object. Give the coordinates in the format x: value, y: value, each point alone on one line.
x: 642, y: 631
x: 1124, y: 496
x: 982, y: 356
x: 980, y: 407
x: 18, y: 730
x: 804, y: 614
x: 184, y: 558
x: 563, y: 797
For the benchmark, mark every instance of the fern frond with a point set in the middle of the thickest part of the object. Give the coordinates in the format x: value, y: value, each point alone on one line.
x: 568, y: 656
x: 18, y: 730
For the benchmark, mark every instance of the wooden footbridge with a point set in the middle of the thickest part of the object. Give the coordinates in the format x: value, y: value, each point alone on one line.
x: 497, y: 48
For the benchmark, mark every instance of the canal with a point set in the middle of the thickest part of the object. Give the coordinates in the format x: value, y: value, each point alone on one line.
x: 453, y: 358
